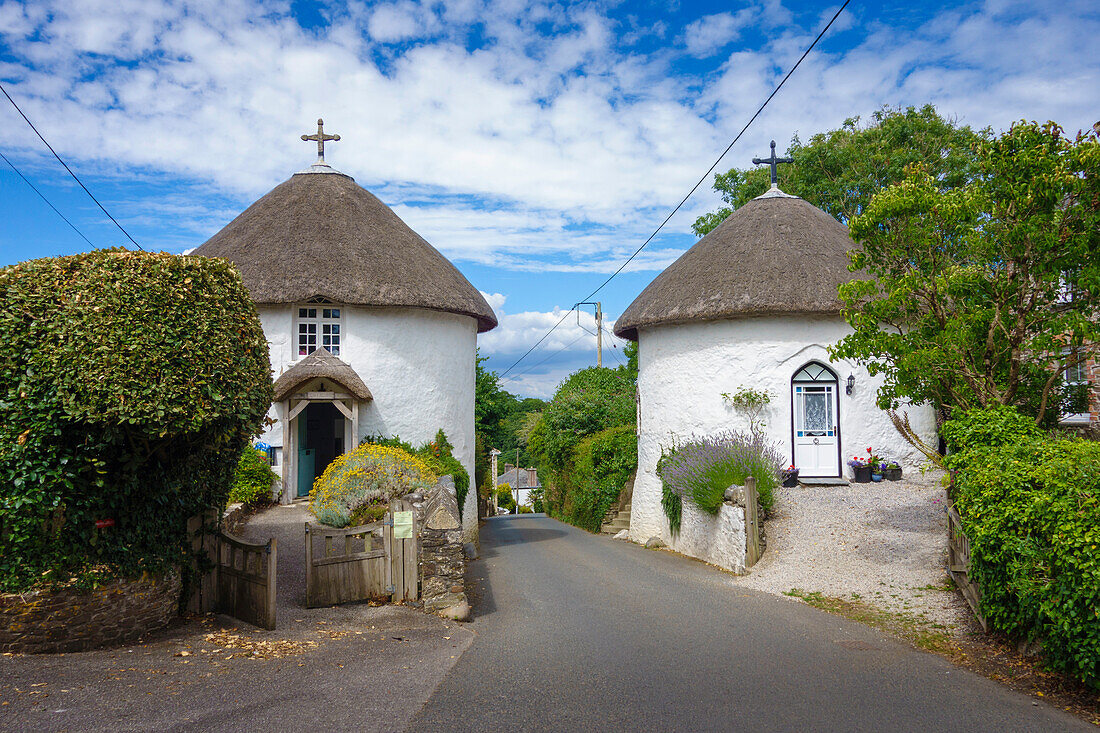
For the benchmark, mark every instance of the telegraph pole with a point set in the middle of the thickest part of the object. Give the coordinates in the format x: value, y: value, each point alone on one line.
x: 599, y: 328
x: 493, y: 453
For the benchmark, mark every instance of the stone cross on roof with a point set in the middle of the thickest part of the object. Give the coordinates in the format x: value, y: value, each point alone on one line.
x: 321, y: 138
x: 773, y: 162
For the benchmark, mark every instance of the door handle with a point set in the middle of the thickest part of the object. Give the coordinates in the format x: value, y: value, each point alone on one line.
x: 816, y: 441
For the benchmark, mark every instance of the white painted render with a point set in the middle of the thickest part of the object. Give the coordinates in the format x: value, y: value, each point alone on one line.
x: 417, y: 363
x: 685, y: 368
x: 715, y: 538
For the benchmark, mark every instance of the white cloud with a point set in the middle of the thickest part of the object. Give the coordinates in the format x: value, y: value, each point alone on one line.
x: 711, y: 33
x: 553, y: 145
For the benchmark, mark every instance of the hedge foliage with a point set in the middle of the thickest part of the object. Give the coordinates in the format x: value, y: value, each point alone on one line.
x: 253, y: 479
x: 602, y: 464
x: 438, y: 455
x: 1031, y: 509
x: 370, y: 475
x: 130, y: 382
x: 586, y: 445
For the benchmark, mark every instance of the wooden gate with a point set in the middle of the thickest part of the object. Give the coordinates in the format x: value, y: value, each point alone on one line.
x: 958, y: 563
x: 245, y: 575
x: 371, y: 561
x: 240, y: 581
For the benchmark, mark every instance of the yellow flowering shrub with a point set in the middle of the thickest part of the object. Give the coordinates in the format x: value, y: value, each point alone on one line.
x: 370, y: 474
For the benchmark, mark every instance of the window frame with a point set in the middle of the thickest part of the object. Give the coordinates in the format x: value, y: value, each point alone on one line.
x: 320, y: 321
x: 1081, y: 365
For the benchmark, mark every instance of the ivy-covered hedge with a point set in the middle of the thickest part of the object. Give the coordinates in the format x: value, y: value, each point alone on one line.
x: 130, y: 382
x: 584, y: 442
x: 602, y: 464
x: 1031, y: 509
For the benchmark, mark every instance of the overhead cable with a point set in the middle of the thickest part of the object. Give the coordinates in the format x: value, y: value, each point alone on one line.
x: 693, y: 188
x: 43, y: 197
x: 70, y: 170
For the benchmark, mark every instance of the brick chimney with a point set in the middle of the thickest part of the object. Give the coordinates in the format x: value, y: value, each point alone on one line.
x: 532, y: 477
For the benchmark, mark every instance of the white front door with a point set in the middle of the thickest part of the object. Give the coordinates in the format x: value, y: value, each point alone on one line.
x: 816, y: 437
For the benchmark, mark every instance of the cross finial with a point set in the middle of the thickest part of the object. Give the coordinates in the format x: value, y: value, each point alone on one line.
x: 321, y: 138
x: 773, y: 162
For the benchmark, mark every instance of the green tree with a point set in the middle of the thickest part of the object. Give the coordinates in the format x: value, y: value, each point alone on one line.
x: 840, y: 170
x: 980, y: 294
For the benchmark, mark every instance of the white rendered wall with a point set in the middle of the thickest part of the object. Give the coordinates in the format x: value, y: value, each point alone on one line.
x: 685, y: 368
x: 715, y: 538
x: 418, y: 365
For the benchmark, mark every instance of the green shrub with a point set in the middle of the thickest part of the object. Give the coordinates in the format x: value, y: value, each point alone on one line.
x: 601, y: 466
x: 505, y: 499
x: 369, y: 475
x: 525, y: 510
x: 130, y: 382
x: 589, y: 401
x: 701, y: 470
x: 437, y: 454
x: 1031, y: 510
x: 673, y: 506
x: 253, y: 479
x: 1000, y: 425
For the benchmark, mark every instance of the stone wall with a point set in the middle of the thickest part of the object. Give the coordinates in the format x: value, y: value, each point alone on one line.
x: 442, y: 553
x: 69, y: 620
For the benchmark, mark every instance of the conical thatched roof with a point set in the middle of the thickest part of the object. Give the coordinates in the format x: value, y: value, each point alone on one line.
x: 319, y: 235
x: 321, y: 364
x: 775, y: 254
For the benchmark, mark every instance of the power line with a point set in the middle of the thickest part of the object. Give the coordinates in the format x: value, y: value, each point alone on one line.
x: 43, y: 197
x: 693, y: 188
x: 531, y: 368
x: 70, y: 170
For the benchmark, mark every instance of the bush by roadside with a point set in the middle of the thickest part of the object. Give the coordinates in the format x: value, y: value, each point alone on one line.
x: 1031, y: 509
x: 130, y: 382
x: 253, y: 479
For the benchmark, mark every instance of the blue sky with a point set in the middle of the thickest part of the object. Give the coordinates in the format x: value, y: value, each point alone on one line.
x: 535, y: 144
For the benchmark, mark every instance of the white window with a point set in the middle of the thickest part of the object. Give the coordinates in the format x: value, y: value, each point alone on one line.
x: 1076, y: 374
x: 319, y: 327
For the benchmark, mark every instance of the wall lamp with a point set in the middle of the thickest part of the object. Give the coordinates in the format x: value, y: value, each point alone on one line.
x: 851, y: 384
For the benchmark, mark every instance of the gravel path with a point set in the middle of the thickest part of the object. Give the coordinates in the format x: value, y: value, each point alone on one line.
x: 883, y: 543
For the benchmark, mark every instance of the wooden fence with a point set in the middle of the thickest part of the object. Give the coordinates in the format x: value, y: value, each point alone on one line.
x: 958, y: 563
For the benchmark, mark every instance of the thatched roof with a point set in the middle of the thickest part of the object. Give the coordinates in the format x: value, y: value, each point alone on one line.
x: 321, y: 364
x: 319, y: 235
x: 776, y: 254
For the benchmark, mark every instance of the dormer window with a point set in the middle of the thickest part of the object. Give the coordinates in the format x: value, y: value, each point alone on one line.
x: 319, y: 327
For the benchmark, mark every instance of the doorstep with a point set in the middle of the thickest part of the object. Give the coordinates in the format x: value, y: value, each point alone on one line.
x: 823, y: 481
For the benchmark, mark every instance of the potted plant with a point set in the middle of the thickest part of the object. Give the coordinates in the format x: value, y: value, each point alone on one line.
x: 876, y: 465
x: 790, y: 476
x: 861, y: 470
x: 891, y: 471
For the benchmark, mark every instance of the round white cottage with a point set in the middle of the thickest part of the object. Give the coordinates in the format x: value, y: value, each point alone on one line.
x: 371, y: 330
x: 754, y: 303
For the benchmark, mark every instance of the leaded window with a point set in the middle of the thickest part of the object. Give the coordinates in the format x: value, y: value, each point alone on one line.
x: 319, y: 327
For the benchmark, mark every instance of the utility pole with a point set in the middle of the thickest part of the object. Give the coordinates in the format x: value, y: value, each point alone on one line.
x: 599, y: 328
x: 493, y: 453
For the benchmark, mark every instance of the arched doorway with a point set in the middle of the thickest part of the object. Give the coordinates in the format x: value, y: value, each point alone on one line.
x: 815, y: 421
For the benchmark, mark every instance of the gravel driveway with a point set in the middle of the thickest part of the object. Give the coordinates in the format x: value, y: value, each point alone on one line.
x: 884, y: 543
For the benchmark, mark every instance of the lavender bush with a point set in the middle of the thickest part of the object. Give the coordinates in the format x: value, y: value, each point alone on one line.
x: 700, y: 471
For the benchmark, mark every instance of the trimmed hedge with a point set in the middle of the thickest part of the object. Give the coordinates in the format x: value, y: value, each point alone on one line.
x: 1031, y: 510
x: 130, y: 382
x: 601, y: 466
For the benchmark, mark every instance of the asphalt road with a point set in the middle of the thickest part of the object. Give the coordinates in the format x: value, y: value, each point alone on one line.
x: 581, y: 632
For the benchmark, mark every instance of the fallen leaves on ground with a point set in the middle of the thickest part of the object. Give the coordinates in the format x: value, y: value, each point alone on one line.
x: 240, y: 646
